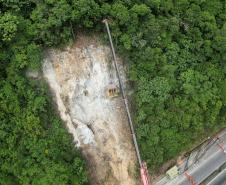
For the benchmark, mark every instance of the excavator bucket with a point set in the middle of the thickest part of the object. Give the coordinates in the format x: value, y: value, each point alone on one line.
x: 112, y: 91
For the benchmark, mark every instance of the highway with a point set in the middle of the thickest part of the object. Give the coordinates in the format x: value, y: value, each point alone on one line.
x: 220, y: 179
x: 202, y: 170
x: 210, y: 162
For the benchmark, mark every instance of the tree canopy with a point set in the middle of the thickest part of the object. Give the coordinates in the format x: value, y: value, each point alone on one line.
x: 176, y: 53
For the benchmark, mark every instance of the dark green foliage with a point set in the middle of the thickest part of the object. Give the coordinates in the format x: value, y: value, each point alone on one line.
x: 176, y: 52
x: 35, y: 148
x: 177, y: 59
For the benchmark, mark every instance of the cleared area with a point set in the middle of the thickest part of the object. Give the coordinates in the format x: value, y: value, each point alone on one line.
x: 79, y: 77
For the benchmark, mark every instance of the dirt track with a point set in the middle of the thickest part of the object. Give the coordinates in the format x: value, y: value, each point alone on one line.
x: 78, y: 77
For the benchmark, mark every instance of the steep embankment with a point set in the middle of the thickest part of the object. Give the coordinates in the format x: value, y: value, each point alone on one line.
x: 79, y: 76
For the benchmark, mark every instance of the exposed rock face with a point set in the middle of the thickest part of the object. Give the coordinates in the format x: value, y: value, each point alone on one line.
x: 78, y: 77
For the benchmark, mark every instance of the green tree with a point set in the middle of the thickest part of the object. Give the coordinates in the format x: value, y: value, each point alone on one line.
x: 8, y: 26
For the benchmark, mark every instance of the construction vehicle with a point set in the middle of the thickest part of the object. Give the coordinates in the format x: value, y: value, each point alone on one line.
x: 112, y: 90
x: 145, y: 178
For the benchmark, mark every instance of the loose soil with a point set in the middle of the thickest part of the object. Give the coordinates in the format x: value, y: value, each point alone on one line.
x: 79, y: 76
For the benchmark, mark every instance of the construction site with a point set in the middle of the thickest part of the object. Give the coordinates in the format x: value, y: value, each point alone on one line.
x: 89, y: 86
x: 125, y: 92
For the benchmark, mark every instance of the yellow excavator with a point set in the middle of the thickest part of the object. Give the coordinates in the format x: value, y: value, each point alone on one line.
x: 112, y: 91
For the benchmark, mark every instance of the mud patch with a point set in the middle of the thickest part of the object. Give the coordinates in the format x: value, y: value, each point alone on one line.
x: 78, y: 77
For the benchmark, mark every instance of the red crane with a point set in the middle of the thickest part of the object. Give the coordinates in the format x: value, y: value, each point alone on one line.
x: 145, y: 178
x: 190, y: 178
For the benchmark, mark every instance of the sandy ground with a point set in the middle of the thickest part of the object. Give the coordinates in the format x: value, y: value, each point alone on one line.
x: 79, y: 76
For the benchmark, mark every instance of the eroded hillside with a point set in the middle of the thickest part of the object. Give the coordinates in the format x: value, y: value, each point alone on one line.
x: 79, y: 76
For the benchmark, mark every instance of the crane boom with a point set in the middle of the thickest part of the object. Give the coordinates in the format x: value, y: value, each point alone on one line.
x: 145, y: 179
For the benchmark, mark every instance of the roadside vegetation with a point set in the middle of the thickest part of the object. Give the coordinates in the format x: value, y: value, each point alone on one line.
x: 176, y: 52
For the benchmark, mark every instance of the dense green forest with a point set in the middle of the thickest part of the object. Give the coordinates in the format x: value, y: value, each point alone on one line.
x: 35, y: 148
x: 176, y: 51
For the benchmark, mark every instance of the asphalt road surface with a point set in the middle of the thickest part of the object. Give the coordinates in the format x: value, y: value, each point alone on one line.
x: 220, y: 179
x: 201, y: 171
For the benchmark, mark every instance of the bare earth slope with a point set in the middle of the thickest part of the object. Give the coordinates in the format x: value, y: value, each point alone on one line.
x: 78, y: 77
